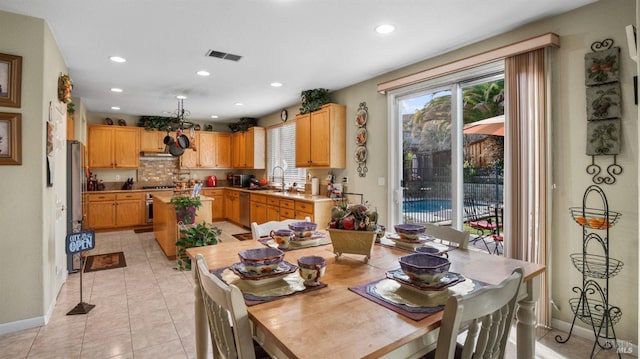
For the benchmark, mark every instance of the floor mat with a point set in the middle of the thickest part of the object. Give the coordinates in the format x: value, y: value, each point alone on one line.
x: 243, y: 236
x: 104, y: 261
x: 143, y: 230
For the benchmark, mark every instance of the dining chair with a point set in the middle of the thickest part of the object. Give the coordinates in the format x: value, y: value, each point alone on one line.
x: 448, y: 234
x: 227, y: 316
x: 498, y: 236
x: 486, y: 314
x: 479, y: 220
x: 262, y: 230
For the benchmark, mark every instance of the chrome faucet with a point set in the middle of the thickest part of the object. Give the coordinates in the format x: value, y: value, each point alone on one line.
x: 273, y: 176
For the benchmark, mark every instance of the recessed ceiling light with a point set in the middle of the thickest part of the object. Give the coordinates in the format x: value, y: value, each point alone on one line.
x: 166, y: 112
x: 239, y: 104
x: 276, y: 84
x: 203, y: 73
x: 181, y: 97
x: 214, y: 116
x: 115, y: 107
x: 117, y: 59
x: 385, y: 28
x: 115, y: 89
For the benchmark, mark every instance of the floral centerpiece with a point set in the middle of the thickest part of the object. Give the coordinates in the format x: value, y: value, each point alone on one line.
x: 354, y: 229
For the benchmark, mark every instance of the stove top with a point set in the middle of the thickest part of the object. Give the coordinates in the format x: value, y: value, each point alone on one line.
x: 168, y: 186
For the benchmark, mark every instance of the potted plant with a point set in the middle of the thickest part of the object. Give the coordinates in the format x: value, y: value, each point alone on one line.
x: 196, y: 235
x: 353, y: 229
x: 312, y: 100
x: 186, y: 207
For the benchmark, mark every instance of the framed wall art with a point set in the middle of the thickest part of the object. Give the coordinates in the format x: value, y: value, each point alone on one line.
x: 10, y: 80
x: 602, y: 67
x: 10, y: 138
x: 603, y: 101
x: 603, y: 137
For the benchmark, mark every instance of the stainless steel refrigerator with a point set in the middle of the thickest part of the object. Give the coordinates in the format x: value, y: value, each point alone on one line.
x: 75, y: 184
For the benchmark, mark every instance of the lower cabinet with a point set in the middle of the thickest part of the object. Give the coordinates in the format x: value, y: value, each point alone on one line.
x: 232, y: 205
x: 258, y: 208
x: 217, y: 210
x: 114, y: 210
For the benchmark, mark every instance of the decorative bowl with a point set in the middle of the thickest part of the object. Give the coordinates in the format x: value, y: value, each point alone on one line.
x: 261, y: 260
x: 409, y: 231
x: 425, y: 268
x: 303, y: 229
x: 429, y: 250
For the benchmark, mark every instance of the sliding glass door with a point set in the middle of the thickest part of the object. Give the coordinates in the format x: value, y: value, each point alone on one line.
x: 435, y: 163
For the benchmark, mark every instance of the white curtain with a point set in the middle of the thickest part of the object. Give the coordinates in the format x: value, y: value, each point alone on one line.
x: 526, y: 150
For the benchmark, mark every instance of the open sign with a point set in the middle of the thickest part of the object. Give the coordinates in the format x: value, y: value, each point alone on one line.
x: 80, y: 242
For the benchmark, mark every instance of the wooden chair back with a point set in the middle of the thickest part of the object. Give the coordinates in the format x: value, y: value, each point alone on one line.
x: 448, y: 234
x: 262, y: 230
x: 488, y: 313
x: 226, y: 314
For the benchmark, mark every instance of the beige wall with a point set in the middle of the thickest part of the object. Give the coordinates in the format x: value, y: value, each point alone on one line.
x: 30, y: 253
x: 577, y: 30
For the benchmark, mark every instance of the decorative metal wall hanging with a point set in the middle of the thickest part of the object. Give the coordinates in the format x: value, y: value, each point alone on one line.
x: 361, y: 139
x: 603, y: 94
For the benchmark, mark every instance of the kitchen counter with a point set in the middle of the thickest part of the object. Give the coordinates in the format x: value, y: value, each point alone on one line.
x: 165, y: 226
x: 269, y: 192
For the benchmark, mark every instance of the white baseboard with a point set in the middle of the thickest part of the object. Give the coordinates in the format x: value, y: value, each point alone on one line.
x: 6, y: 328
x: 587, y: 333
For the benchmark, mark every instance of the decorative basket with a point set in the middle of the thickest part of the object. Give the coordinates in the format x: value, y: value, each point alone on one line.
x: 594, y: 218
x: 352, y: 242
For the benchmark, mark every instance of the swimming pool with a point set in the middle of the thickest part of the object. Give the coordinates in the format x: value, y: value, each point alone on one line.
x: 426, y: 205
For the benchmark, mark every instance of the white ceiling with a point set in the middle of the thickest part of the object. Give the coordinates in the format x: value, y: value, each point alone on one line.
x: 303, y: 44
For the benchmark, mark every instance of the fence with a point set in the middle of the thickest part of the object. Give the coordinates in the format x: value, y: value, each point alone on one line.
x: 427, y: 191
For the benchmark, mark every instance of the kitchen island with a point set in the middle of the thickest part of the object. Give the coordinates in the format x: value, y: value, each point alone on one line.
x: 165, y: 227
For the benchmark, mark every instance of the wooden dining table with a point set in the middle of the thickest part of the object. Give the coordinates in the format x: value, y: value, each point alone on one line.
x: 334, y: 321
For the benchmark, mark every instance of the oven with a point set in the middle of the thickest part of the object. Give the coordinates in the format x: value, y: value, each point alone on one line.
x: 148, y: 208
x: 148, y: 200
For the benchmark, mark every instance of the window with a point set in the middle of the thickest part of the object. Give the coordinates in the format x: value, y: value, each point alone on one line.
x: 281, y: 151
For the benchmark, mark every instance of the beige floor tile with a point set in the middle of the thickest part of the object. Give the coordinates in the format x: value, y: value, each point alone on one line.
x: 107, y: 345
x: 149, y: 335
x: 18, y: 344
x: 168, y: 350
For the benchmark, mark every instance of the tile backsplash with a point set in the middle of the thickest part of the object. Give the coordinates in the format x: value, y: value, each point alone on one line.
x: 158, y: 171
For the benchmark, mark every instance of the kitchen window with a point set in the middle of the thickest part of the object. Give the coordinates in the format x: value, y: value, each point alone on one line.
x: 281, y: 151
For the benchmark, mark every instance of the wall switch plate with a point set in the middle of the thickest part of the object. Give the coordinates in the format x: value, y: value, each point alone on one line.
x: 345, y: 179
x: 117, y: 177
x: 380, y: 181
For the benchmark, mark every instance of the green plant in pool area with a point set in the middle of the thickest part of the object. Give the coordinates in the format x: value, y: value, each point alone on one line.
x: 197, y: 235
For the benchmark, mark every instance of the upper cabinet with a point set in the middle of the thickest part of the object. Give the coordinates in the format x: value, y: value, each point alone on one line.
x: 114, y: 147
x: 248, y: 148
x: 321, y: 137
x: 152, y: 140
x: 213, y: 150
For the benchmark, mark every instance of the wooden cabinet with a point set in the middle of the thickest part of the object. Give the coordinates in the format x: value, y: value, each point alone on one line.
x: 321, y: 137
x: 273, y: 209
x: 217, y: 210
x: 287, y: 209
x: 258, y: 208
x: 249, y: 148
x: 165, y: 227
x: 113, y: 147
x: 232, y: 205
x: 71, y: 128
x: 115, y: 210
x: 152, y: 140
x: 213, y: 150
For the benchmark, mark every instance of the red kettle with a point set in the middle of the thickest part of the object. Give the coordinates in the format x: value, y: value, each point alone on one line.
x: 212, y: 181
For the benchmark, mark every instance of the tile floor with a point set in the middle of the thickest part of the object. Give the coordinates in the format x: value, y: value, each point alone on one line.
x: 146, y: 311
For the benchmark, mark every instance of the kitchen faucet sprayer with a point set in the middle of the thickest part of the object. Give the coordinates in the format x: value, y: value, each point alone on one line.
x: 273, y: 176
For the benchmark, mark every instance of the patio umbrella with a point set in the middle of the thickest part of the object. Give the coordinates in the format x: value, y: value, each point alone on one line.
x: 489, y: 126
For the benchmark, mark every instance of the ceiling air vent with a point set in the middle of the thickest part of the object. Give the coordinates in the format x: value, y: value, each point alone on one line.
x: 223, y: 55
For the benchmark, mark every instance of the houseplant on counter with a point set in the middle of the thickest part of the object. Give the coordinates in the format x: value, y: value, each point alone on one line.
x: 353, y: 229
x: 196, y: 235
x: 186, y: 207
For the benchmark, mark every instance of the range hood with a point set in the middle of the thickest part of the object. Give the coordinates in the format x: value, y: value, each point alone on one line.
x: 155, y: 155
